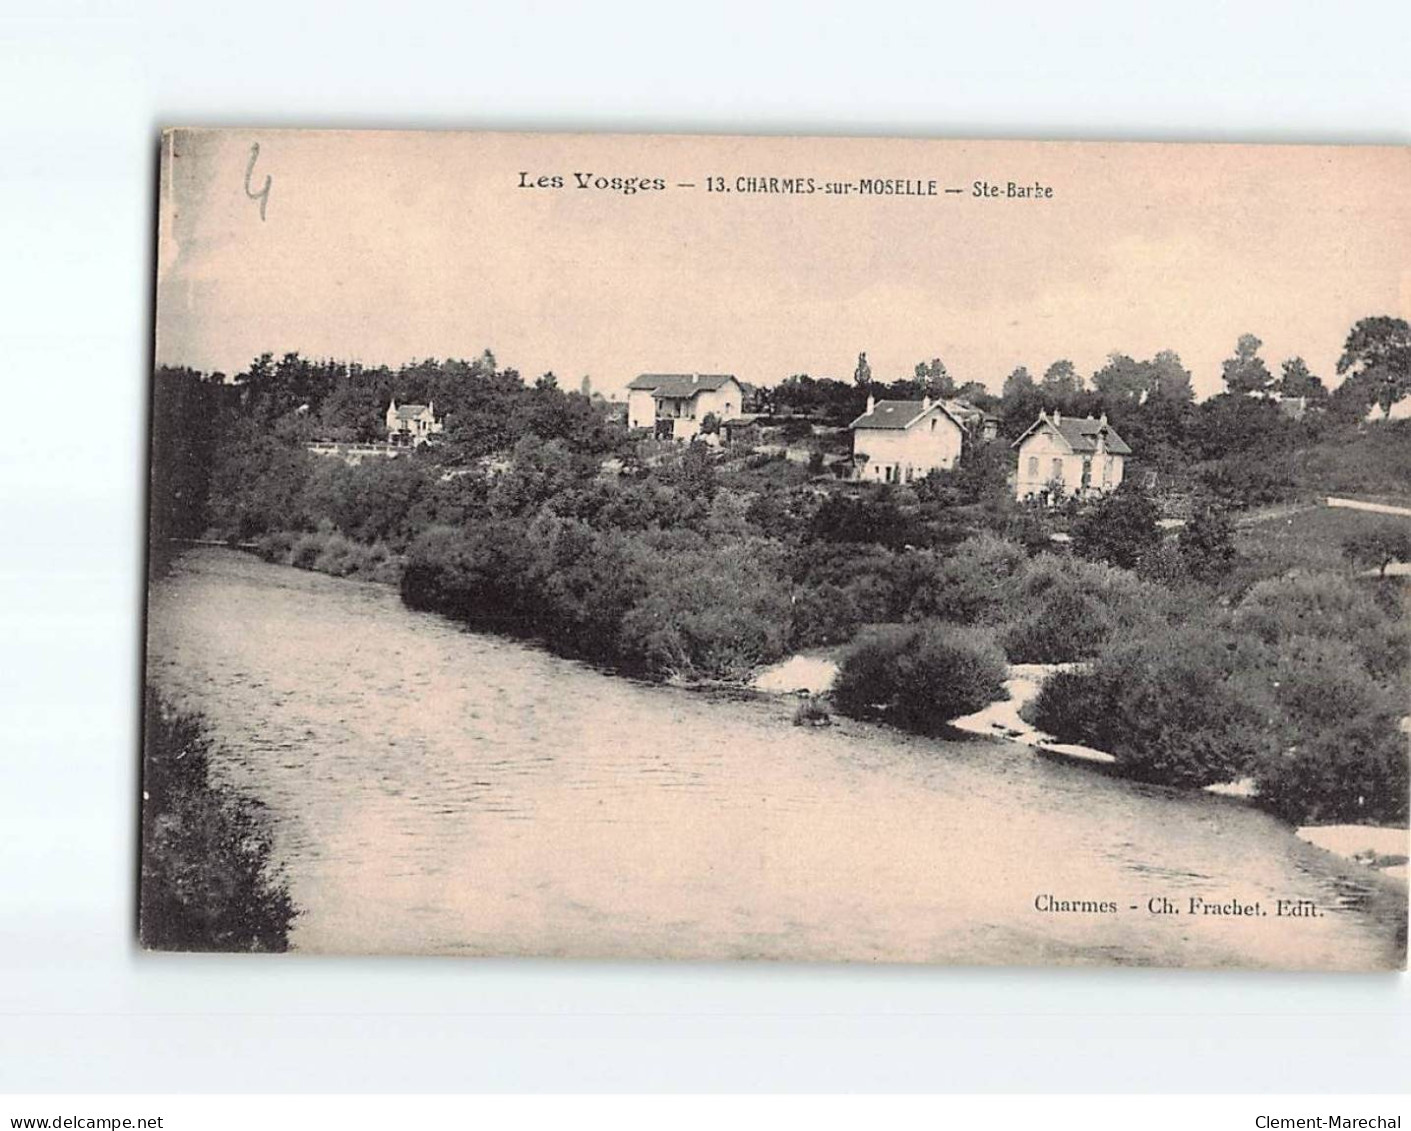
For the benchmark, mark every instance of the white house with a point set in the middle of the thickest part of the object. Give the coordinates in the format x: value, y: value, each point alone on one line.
x: 680, y: 401
x: 898, y: 441
x: 411, y: 423
x: 1069, y: 457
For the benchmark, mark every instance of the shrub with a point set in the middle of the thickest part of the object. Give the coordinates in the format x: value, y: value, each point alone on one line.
x: 1354, y: 772
x: 1331, y: 607
x: 207, y: 880
x: 1068, y: 609
x: 920, y: 676
x: 969, y: 585
x: 874, y: 518
x: 275, y: 546
x: 1066, y: 625
x: 826, y: 614
x: 664, y: 603
x: 812, y: 713
x: 1119, y: 528
x: 1207, y: 544
x: 305, y: 550
x: 1170, y: 707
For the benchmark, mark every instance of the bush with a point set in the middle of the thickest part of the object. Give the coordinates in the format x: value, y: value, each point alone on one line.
x: 1066, y: 625
x: 1355, y: 772
x: 823, y: 615
x: 1207, y: 543
x: 920, y: 676
x: 1171, y: 708
x: 663, y: 603
x: 1069, y: 609
x: 812, y: 713
x: 969, y: 585
x: 1331, y: 607
x: 1119, y: 528
x: 207, y: 880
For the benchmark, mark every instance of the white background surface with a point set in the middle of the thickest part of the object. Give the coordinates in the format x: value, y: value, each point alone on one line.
x: 84, y: 89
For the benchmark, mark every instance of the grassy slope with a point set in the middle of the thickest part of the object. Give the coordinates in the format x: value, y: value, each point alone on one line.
x: 1373, y: 463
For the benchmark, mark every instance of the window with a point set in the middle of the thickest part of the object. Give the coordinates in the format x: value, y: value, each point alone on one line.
x: 933, y: 424
x: 1087, y: 472
x: 1033, y: 467
x: 1106, y: 470
x: 1057, y: 471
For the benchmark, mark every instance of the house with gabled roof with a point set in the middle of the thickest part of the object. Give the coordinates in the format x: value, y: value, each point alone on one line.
x: 411, y: 423
x: 675, y: 404
x: 898, y: 441
x: 1066, y: 455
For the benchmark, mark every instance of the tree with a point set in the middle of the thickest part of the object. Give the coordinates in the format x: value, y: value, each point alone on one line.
x: 976, y: 393
x: 1376, y: 359
x: 1169, y: 379
x: 863, y: 373
x: 547, y: 381
x: 1298, y: 381
x: 1122, y: 379
x: 933, y: 378
x: 1018, y: 384
x: 1062, y: 381
x: 1246, y: 372
x: 1379, y: 546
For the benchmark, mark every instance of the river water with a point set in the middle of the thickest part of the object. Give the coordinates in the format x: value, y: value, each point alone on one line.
x: 431, y: 789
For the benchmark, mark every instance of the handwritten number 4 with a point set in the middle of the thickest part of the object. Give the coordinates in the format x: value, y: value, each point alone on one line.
x: 263, y: 195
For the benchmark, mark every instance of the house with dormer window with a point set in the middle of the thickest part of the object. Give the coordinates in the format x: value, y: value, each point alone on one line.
x: 411, y: 423
x: 1067, y: 456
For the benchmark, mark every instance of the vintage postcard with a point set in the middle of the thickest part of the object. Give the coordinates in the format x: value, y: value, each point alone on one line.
x: 813, y: 549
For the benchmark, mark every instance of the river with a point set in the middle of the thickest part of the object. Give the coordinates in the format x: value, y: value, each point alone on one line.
x: 432, y: 789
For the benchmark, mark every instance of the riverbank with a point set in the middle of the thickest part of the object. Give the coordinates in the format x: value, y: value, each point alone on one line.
x: 812, y: 674
x: 434, y: 789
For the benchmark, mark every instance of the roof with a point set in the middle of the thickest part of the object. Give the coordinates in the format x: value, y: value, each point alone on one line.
x: 680, y: 384
x: 410, y: 411
x: 898, y: 416
x: 1081, y: 434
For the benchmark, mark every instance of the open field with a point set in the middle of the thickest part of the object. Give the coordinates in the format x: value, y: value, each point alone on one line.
x: 1306, y: 536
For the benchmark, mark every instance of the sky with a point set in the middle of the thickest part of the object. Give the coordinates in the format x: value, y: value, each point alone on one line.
x: 386, y: 247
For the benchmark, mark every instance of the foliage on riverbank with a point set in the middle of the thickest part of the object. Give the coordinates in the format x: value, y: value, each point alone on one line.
x: 328, y: 551
x: 667, y: 604
x: 1299, y: 687
x: 207, y: 880
x: 920, y: 676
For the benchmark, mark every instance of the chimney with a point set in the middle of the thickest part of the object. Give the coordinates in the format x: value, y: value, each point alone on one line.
x: 1103, y: 420
x: 695, y: 378
x: 871, y: 402
x: 1057, y: 417
x: 926, y: 403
